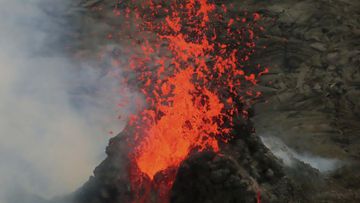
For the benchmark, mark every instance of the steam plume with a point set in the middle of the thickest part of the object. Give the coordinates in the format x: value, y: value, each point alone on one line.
x: 54, y: 113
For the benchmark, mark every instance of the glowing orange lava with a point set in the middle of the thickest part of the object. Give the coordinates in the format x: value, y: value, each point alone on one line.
x: 193, y: 73
x: 186, y: 123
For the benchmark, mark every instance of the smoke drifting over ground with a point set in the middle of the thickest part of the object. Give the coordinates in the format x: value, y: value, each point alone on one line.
x: 288, y: 155
x: 55, y: 114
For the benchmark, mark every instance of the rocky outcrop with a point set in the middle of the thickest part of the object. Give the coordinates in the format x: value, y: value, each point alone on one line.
x: 244, y: 171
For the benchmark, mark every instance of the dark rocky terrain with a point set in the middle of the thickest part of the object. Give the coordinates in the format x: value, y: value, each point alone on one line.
x: 312, y: 91
x: 311, y: 102
x: 243, y: 169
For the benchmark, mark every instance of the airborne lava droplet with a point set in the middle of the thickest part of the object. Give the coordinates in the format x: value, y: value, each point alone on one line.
x: 193, y: 72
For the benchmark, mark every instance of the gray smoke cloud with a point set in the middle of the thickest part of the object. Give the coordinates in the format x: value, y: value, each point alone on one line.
x: 55, y: 113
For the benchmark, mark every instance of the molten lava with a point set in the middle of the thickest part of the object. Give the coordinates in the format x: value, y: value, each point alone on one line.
x: 186, y: 123
x: 193, y: 71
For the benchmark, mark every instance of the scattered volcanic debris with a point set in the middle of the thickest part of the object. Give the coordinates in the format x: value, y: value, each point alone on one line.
x: 195, y: 71
x: 194, y: 74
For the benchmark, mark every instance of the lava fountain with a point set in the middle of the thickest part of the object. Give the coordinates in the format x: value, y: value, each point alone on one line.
x: 194, y: 71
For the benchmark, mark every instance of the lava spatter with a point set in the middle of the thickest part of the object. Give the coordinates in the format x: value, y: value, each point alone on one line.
x: 194, y: 71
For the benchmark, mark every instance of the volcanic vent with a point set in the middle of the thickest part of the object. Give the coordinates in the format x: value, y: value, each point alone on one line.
x: 192, y: 141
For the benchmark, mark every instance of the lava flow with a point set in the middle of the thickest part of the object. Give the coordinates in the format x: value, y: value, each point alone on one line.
x: 194, y: 72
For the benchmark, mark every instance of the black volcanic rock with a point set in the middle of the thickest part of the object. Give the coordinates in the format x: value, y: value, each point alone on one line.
x: 110, y: 182
x: 243, y: 170
x: 209, y: 177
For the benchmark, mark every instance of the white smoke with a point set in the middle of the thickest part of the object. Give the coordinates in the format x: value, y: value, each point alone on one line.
x: 55, y: 114
x: 288, y: 155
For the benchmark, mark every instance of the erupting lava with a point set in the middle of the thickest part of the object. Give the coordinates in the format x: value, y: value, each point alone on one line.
x: 186, y: 123
x: 194, y: 73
